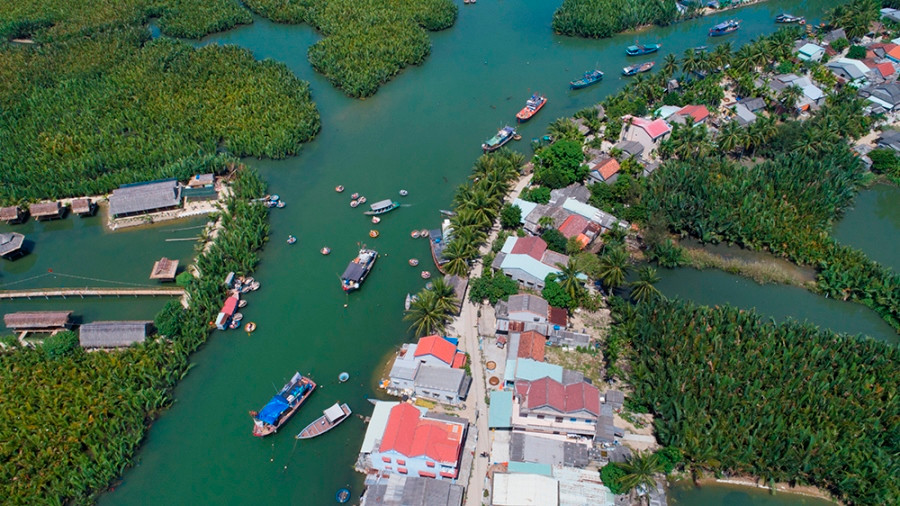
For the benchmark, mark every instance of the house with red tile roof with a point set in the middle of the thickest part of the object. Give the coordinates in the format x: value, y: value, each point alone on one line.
x: 435, y: 350
x: 573, y: 225
x: 697, y: 113
x: 648, y: 133
x: 528, y: 261
x: 604, y: 170
x: 413, y: 442
x: 532, y: 345
x: 885, y: 69
x: 546, y: 405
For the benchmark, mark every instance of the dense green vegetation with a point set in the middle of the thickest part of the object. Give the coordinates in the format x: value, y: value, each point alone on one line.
x: 785, y: 402
x: 366, y: 42
x: 83, y: 116
x: 74, y: 419
x: 54, y: 20
x: 605, y: 18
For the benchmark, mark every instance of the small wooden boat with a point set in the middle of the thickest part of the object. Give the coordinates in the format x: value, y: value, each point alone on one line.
x: 242, y: 303
x: 496, y: 142
x: 532, y: 106
x: 415, y: 234
x: 699, y: 49
x: 331, y: 418
x: 589, y: 78
x: 376, y: 220
x: 282, y: 406
x: 787, y: 19
x: 291, y: 239
x: 642, y: 49
x: 343, y: 377
x: 250, y: 327
x: 280, y: 204
x: 234, y: 324
x: 326, y: 250
x: 339, y: 188
x: 413, y: 262
x: 362, y: 200
x: 354, y: 196
x: 724, y: 28
x: 426, y: 275
x: 373, y: 233
x: 423, y: 232
x: 382, y: 206
x: 237, y: 317
x: 354, y: 203
x: 637, y: 69
x: 343, y: 495
x: 403, y: 193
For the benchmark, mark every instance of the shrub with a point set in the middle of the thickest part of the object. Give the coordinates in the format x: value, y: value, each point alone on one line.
x: 555, y: 240
x: 885, y: 160
x: 856, y: 52
x: 554, y: 294
x: 493, y: 287
x: 511, y: 216
x: 536, y: 194
x: 61, y: 344
x: 611, y: 474
x: 184, y: 279
x: 840, y: 44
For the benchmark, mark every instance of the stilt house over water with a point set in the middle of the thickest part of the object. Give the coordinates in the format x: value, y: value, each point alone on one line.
x: 13, y: 214
x: 164, y: 269
x: 38, y: 321
x: 47, y: 211
x: 84, y: 207
x: 108, y: 335
x: 11, y: 245
x: 143, y: 198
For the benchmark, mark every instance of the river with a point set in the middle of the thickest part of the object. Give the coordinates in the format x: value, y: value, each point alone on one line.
x: 420, y: 132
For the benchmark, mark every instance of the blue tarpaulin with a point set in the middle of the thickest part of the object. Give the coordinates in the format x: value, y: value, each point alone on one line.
x: 275, y: 407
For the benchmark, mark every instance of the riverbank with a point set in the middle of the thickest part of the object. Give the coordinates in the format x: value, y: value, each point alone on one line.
x: 759, y: 267
x: 787, y: 488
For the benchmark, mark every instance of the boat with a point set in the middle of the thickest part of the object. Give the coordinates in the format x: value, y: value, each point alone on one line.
x: 339, y: 188
x: 354, y: 196
x: 415, y: 234
x: 423, y: 232
x: 358, y: 269
x: 787, y: 18
x: 641, y: 49
x: 242, y: 303
x: 326, y: 250
x: 446, y: 212
x: 532, y: 106
x: 373, y: 233
x: 274, y: 198
x: 637, y: 69
x: 250, y: 327
x: 503, y: 136
x: 343, y: 495
x: 362, y: 200
x: 291, y: 239
x: 589, y: 78
x: 234, y: 324
x: 331, y: 418
x: 724, y: 28
x: 354, y: 203
x: 413, y: 262
x: 283, y: 405
x: 409, y: 300
x: 382, y: 206
x: 403, y: 193
x: 237, y: 317
x: 280, y: 204
x: 376, y: 220
x: 426, y: 274
x: 699, y: 49
x: 343, y: 377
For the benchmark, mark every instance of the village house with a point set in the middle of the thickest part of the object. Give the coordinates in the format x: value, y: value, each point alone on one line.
x: 849, y: 71
x: 84, y: 207
x: 697, y: 114
x: 164, y: 269
x: 11, y: 245
x: 399, y: 490
x: 407, y: 440
x: 743, y: 115
x: 604, y: 170
x: 889, y: 139
x: 548, y: 406
x: 432, y: 369
x: 810, y: 52
x: 648, y: 133
x: 38, y: 321
x: 527, y: 260
x: 115, y: 334
x: 579, y: 227
x: 885, y: 95
x: 630, y: 148
x: 143, y: 198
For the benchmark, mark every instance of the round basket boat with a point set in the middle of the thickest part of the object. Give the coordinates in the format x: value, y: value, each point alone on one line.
x: 424, y: 232
x: 403, y: 193
x: 413, y: 262
x: 339, y: 188
x: 344, y: 376
x: 326, y: 250
x: 291, y: 239
x: 494, y: 381
x: 376, y: 219
x: 237, y: 317
x: 354, y: 203
x: 414, y: 234
x: 242, y: 303
x: 250, y: 327
x: 354, y: 196
x: 490, y: 365
x: 362, y: 200
x: 426, y: 274
x: 342, y: 496
x: 373, y: 233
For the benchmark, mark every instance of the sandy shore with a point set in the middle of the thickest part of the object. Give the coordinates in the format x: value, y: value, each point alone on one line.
x: 749, y: 481
x: 706, y: 11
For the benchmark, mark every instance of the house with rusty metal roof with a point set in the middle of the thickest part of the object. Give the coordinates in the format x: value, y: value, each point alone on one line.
x: 547, y: 405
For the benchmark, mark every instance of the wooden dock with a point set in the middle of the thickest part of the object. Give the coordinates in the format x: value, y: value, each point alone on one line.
x: 47, y: 293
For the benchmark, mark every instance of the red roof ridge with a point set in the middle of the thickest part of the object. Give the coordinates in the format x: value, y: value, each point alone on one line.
x: 532, y: 246
x: 408, y: 434
x: 436, y: 345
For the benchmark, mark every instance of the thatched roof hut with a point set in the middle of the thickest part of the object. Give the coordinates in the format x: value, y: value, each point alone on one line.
x: 11, y: 245
x: 12, y: 214
x: 143, y: 198
x: 46, y: 210
x: 164, y: 269
x: 83, y: 207
x: 38, y: 320
x: 113, y: 334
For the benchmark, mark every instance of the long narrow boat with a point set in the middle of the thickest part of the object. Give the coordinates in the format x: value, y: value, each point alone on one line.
x: 637, y: 69
x: 282, y: 406
x: 358, y: 269
x: 642, y: 49
x: 496, y: 142
x: 724, y: 28
x: 330, y: 419
x: 382, y: 206
x: 589, y: 78
x: 532, y: 106
x: 787, y: 19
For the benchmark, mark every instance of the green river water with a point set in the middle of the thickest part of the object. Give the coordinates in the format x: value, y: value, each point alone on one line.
x: 420, y: 132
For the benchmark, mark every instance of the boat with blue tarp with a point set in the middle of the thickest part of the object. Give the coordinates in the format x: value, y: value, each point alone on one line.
x: 589, y: 78
x: 725, y: 28
x: 358, y: 269
x: 282, y: 406
x: 641, y: 49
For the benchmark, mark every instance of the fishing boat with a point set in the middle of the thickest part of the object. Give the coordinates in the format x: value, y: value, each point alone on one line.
x: 589, y: 78
x: 699, y: 49
x: 724, y: 28
x: 423, y: 232
x: 496, y: 142
x: 291, y: 239
x: 414, y: 234
x: 409, y: 300
x: 787, y: 18
x: 358, y: 269
x: 382, y: 206
x: 642, y: 49
x: 326, y: 250
x: 637, y: 69
x: 354, y: 203
x: 426, y: 274
x: 376, y: 220
x: 280, y: 204
x: 250, y: 327
x: 354, y: 196
x: 330, y: 419
x: 413, y: 262
x: 362, y: 200
x: 532, y: 106
x: 343, y: 377
x: 282, y: 406
x: 403, y: 193
x: 339, y: 188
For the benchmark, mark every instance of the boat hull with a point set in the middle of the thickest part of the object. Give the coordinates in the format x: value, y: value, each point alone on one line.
x: 526, y: 114
x: 382, y: 211
x: 262, y: 429
x: 321, y: 425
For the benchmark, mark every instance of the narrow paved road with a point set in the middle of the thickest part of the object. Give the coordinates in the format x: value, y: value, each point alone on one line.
x: 466, y: 325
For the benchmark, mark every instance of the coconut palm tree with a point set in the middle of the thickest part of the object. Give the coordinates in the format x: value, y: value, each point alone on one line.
x: 689, y: 62
x: 789, y: 97
x: 458, y: 253
x: 568, y: 278
x: 545, y: 222
x: 640, y: 472
x: 564, y: 128
x: 614, y: 267
x: 643, y: 289
x: 670, y: 65
x: 445, y: 295
x: 426, y: 314
x: 730, y: 137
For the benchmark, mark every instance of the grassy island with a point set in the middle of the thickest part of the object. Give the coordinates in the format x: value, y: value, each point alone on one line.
x: 785, y: 402
x: 605, y: 18
x: 366, y: 42
x: 75, y: 419
x: 83, y: 116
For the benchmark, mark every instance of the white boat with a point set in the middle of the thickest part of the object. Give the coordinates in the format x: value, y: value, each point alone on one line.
x: 330, y: 419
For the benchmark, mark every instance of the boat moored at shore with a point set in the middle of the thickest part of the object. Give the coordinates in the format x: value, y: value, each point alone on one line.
x: 532, y: 106
x: 282, y: 406
x: 496, y: 142
x: 589, y: 78
x: 638, y: 69
x: 358, y: 269
x: 330, y: 419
